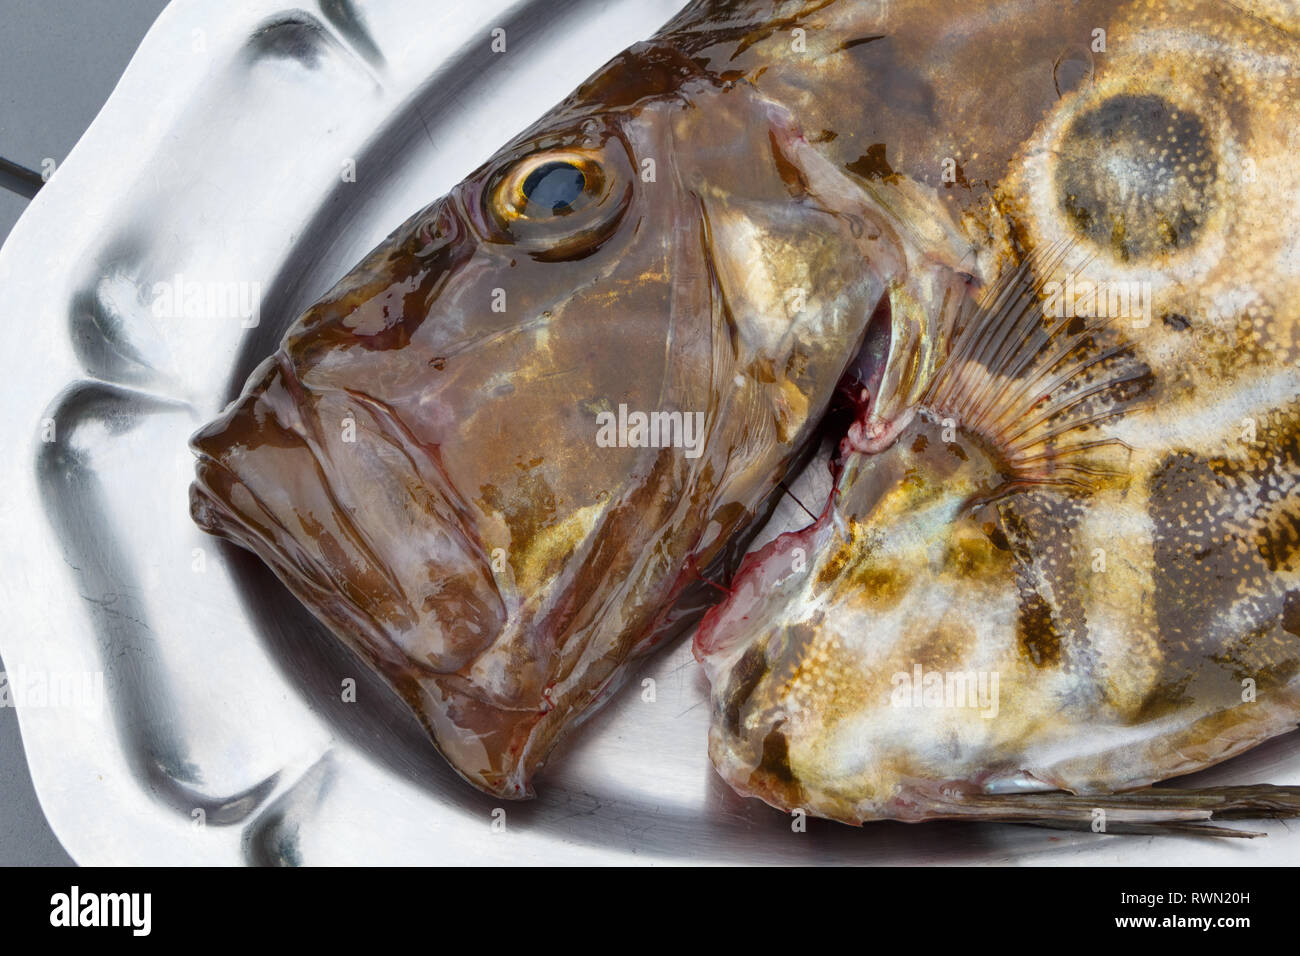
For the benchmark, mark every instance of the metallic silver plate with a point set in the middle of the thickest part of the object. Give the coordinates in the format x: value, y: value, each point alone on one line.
x: 220, y: 166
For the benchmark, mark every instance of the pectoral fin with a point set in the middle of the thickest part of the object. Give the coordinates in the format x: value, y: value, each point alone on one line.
x: 1038, y: 384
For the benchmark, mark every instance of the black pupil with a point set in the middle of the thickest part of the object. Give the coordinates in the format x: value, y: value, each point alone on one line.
x: 555, y: 186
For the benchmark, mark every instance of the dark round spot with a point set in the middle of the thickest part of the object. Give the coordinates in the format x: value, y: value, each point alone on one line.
x: 555, y: 187
x: 1135, y: 174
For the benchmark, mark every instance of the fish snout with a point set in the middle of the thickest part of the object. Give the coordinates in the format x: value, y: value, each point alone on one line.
x: 353, y: 517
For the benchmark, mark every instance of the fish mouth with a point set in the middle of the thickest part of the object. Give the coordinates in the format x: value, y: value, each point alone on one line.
x: 808, y: 492
x: 272, y: 477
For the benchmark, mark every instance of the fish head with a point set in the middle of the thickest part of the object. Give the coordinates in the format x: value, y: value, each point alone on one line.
x: 495, y: 455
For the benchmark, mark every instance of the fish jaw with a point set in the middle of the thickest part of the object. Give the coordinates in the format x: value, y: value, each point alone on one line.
x: 323, y: 482
x: 424, y: 471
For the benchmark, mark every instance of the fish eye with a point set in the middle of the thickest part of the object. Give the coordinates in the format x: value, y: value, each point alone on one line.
x: 548, y: 185
x: 559, y: 203
x: 555, y: 186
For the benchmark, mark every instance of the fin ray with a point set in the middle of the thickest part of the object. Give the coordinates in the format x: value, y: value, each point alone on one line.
x: 1037, y: 388
x: 1152, y: 811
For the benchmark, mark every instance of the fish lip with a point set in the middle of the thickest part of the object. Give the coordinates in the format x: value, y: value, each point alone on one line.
x: 274, y: 547
x: 224, y: 502
x: 273, y: 542
x: 277, y: 409
x: 721, y: 633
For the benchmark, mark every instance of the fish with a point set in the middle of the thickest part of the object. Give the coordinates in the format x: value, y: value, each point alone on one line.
x: 1058, y: 560
x: 520, y: 444
x: 534, y: 435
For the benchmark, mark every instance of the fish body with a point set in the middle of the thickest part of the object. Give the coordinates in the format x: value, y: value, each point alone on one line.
x: 1069, y: 564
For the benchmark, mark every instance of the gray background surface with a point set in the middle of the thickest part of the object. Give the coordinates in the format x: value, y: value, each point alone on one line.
x: 59, y: 60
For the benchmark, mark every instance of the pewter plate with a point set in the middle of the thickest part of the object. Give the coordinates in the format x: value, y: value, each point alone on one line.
x: 193, y: 711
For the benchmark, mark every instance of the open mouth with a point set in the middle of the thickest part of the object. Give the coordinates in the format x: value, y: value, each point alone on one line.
x: 807, y: 490
x: 807, y: 493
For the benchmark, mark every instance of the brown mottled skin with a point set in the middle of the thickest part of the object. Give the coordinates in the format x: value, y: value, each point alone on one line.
x: 473, y: 543
x: 418, y: 462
